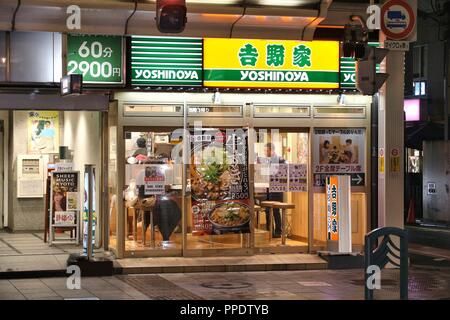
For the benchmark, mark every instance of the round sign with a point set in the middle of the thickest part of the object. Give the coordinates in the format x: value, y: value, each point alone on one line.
x: 394, y: 152
x: 397, y: 19
x: 381, y: 152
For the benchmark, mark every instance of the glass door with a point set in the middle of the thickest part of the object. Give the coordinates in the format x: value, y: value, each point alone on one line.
x: 152, y: 191
x: 281, y: 190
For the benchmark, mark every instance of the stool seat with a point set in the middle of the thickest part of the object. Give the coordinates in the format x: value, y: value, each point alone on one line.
x: 268, y: 204
x: 257, y: 208
x: 284, y: 205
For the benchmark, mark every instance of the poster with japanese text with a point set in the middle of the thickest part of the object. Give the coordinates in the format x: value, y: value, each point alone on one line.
x: 154, y: 180
x: 43, y: 132
x: 339, y: 152
x: 220, y: 182
x: 298, y: 177
x: 64, y: 197
x: 278, y: 180
x: 332, y: 208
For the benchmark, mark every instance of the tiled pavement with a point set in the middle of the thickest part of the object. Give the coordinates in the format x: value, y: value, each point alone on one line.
x: 424, y: 283
x: 23, y: 252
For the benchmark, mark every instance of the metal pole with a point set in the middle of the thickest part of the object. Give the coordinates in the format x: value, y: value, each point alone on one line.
x: 184, y: 163
x: 446, y: 75
x: 374, y: 162
x: 89, y: 169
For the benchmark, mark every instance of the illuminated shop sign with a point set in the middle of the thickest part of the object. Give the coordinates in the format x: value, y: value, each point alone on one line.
x: 97, y: 58
x: 157, y: 61
x: 271, y: 63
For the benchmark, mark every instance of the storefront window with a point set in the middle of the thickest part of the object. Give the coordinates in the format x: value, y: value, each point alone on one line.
x: 339, y: 151
x: 152, y: 192
x: 281, y: 176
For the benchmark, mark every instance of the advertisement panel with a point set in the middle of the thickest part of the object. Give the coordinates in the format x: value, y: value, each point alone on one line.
x: 332, y: 208
x: 97, y: 58
x: 154, y: 180
x: 43, y: 131
x: 64, y: 198
x: 339, y: 152
x: 166, y: 61
x: 220, y: 182
x: 271, y: 63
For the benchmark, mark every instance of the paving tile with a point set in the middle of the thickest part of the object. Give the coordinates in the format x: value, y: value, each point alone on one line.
x: 66, y: 293
x: 12, y: 296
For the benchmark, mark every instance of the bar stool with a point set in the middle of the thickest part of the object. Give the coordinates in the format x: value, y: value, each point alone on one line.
x: 258, y: 209
x: 270, y: 205
x: 283, y: 206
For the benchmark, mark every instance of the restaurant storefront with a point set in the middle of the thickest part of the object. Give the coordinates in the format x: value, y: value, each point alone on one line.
x: 211, y: 200
x: 260, y: 121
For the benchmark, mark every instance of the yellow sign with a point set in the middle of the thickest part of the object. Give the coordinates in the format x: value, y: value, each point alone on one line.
x: 381, y: 164
x: 271, y: 63
x: 332, y: 208
x: 395, y: 160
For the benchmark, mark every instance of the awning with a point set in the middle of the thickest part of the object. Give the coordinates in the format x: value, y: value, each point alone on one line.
x: 221, y: 18
x: 32, y: 101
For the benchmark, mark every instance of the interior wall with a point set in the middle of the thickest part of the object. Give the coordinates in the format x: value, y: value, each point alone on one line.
x: 82, y: 134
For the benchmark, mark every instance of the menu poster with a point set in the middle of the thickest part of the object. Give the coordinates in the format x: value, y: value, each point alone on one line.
x: 64, y: 195
x: 339, y: 152
x: 278, y: 181
x: 298, y: 178
x: 220, y: 182
x: 154, y: 180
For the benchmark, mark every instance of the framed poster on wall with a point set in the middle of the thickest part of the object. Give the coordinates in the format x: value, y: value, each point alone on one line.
x: 339, y: 152
x: 43, y: 132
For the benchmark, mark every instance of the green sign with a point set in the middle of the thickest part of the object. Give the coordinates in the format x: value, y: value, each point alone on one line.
x: 97, y: 58
x: 171, y: 61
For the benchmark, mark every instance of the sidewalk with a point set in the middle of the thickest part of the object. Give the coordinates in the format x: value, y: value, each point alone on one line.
x: 26, y: 255
x: 267, y: 285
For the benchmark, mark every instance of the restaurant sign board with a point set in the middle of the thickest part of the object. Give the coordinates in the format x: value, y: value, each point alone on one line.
x: 97, y: 58
x: 164, y: 61
x: 271, y: 63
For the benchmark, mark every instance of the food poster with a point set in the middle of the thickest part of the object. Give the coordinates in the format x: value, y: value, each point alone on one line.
x: 278, y: 181
x: 339, y: 152
x: 154, y: 180
x: 220, y: 182
x: 298, y: 178
x: 64, y: 197
x: 43, y: 131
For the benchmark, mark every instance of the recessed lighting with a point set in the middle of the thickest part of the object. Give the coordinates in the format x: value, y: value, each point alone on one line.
x: 3, y: 60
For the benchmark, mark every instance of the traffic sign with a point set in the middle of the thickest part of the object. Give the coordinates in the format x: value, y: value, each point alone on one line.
x: 398, y: 19
x: 396, y: 45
